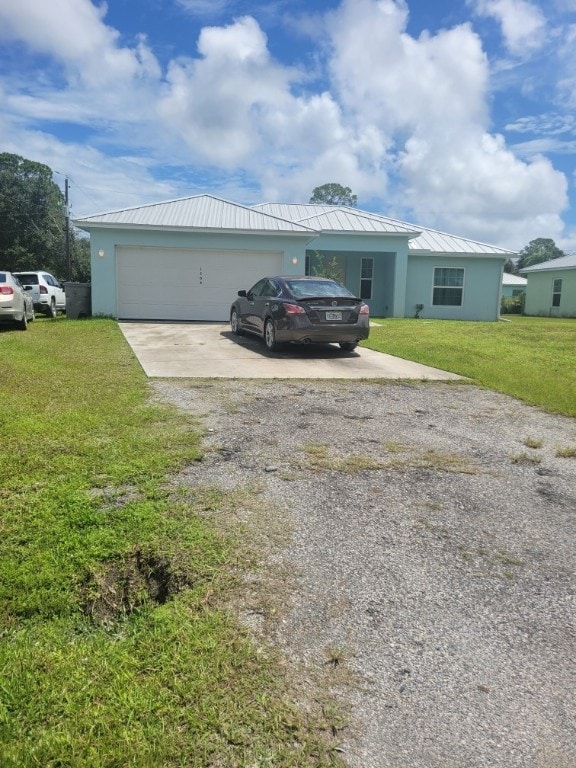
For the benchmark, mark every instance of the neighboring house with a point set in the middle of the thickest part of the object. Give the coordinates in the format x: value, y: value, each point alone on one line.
x: 512, y: 285
x: 186, y: 259
x: 551, y: 288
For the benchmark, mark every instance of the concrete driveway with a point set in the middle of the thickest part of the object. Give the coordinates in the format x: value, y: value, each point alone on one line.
x: 205, y: 350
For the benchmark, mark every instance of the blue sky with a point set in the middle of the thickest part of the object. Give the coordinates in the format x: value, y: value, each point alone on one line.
x: 453, y: 114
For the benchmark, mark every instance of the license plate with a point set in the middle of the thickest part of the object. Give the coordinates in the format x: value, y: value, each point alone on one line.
x: 333, y: 315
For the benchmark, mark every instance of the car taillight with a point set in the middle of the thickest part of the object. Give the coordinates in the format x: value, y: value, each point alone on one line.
x: 43, y: 289
x: 294, y: 309
x: 6, y: 290
x: 364, y: 309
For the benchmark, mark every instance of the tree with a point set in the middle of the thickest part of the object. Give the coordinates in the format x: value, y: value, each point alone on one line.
x: 334, y: 194
x: 331, y: 267
x: 510, y: 267
x: 32, y: 217
x: 80, y: 258
x: 537, y: 251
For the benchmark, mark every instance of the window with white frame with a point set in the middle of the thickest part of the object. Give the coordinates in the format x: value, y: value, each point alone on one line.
x: 556, y: 292
x: 448, y: 289
x: 366, y: 276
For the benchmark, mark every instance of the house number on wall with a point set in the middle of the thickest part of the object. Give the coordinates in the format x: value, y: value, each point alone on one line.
x: 200, y: 275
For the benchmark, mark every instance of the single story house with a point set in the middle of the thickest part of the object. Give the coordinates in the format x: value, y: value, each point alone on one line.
x: 186, y: 259
x: 512, y: 285
x: 551, y: 288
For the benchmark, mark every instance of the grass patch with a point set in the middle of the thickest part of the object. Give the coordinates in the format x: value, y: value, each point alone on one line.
x: 319, y: 458
x: 115, y: 649
x: 434, y: 460
x: 567, y: 453
x: 529, y: 358
x: 525, y: 458
x: 532, y: 442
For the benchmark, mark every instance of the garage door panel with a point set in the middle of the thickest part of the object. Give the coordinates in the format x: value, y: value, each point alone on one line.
x: 178, y: 284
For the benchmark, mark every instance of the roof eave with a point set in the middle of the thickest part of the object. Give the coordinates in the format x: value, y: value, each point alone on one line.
x: 360, y: 233
x: 531, y: 270
x: 88, y: 225
x: 456, y: 254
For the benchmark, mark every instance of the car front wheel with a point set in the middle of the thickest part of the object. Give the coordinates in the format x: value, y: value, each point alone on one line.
x: 270, y: 336
x: 235, y: 324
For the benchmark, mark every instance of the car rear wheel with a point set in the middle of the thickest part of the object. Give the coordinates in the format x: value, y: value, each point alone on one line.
x: 270, y: 336
x: 23, y: 323
x: 348, y: 346
x: 52, y: 309
x: 235, y: 325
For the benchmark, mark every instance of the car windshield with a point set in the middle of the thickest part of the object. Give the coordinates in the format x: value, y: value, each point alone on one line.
x: 29, y: 279
x: 303, y: 289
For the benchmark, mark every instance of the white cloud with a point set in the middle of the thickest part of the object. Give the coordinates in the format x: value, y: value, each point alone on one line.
x: 482, y: 188
x: 204, y: 8
x: 74, y: 34
x: 566, y: 89
x: 236, y: 106
x: 401, y: 120
x: 548, y: 124
x: 219, y: 103
x: 429, y: 97
x: 397, y: 81
x: 98, y: 181
x: 523, y: 24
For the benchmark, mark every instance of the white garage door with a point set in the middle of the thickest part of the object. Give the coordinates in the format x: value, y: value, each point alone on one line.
x: 175, y: 284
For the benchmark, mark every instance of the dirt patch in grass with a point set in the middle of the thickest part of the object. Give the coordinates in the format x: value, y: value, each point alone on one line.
x: 119, y: 587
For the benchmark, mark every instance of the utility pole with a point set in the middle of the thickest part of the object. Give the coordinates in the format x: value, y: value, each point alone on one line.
x: 68, y: 259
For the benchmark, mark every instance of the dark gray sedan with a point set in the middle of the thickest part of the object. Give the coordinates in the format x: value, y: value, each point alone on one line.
x: 301, y: 310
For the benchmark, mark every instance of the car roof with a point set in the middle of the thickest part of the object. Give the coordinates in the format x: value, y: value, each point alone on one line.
x: 302, y: 277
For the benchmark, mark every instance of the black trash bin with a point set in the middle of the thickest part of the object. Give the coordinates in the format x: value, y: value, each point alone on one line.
x: 78, y: 300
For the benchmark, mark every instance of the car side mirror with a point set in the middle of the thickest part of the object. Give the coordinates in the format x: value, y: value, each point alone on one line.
x: 242, y: 294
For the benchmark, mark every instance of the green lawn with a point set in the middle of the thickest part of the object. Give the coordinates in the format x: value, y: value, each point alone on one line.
x: 533, y: 359
x: 114, y: 648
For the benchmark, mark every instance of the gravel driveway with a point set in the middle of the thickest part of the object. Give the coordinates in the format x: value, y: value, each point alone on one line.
x: 427, y: 579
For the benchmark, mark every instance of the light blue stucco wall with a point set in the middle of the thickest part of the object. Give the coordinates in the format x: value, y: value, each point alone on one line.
x: 390, y: 255
x: 107, y: 240
x: 482, y: 287
x: 539, y: 293
x: 508, y: 291
x: 400, y: 281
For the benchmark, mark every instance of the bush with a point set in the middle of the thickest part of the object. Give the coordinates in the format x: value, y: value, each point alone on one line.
x: 512, y: 305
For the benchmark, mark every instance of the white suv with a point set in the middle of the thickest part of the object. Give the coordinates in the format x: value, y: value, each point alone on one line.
x: 47, y: 293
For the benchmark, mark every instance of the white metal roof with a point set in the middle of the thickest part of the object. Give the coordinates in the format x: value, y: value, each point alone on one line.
x: 431, y: 241
x: 336, y: 218
x: 508, y: 279
x: 203, y: 212
x: 208, y: 213
x: 564, y: 262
